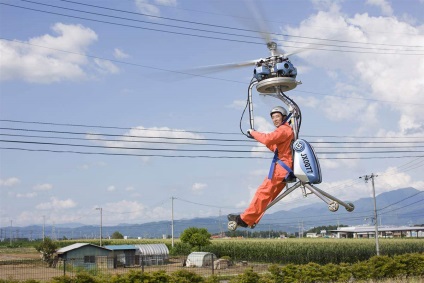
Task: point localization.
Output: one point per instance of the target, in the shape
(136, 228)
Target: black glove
(249, 135)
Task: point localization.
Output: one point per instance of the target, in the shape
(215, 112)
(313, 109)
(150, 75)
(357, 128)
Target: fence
(38, 270)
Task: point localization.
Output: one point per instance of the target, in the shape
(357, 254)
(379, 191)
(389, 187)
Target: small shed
(152, 254)
(200, 259)
(124, 255)
(85, 255)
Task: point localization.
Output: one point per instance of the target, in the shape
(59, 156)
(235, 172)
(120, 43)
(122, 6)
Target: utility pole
(44, 226)
(366, 178)
(11, 233)
(101, 224)
(172, 221)
(220, 224)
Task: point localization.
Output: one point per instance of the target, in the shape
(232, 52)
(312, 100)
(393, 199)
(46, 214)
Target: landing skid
(332, 202)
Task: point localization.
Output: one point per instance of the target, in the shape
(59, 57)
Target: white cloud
(106, 67)
(32, 63)
(111, 189)
(237, 104)
(152, 138)
(198, 187)
(56, 204)
(9, 182)
(43, 187)
(166, 2)
(385, 7)
(146, 7)
(332, 5)
(27, 195)
(149, 6)
(118, 53)
(375, 76)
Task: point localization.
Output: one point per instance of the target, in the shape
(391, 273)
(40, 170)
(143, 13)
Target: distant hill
(398, 207)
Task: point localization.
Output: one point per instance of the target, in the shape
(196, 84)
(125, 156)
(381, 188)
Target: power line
(270, 21)
(139, 148)
(197, 139)
(182, 131)
(212, 25)
(210, 37)
(131, 154)
(199, 75)
(401, 201)
(196, 150)
(191, 143)
(197, 156)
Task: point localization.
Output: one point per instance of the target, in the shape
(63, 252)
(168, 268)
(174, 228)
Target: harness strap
(277, 160)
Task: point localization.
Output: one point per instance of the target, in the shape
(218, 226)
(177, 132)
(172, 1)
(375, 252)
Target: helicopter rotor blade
(219, 68)
(258, 21)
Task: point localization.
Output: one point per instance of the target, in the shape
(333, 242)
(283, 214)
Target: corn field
(303, 251)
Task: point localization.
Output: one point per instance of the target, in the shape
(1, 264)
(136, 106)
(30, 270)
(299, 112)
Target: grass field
(257, 252)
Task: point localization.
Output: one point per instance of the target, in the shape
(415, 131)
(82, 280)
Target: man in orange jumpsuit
(279, 141)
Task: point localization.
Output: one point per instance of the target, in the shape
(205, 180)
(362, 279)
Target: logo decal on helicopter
(299, 146)
(306, 163)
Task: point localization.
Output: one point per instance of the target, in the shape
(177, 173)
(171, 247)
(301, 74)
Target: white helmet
(278, 109)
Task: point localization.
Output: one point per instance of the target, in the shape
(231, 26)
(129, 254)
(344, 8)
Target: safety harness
(290, 175)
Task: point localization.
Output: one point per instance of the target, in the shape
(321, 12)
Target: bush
(62, 279)
(185, 276)
(133, 276)
(159, 277)
(247, 277)
(84, 278)
(383, 267)
(410, 264)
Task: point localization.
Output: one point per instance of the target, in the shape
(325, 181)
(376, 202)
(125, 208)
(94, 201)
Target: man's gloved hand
(249, 135)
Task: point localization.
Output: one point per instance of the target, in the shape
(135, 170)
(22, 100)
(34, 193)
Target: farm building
(200, 259)
(383, 232)
(85, 255)
(152, 254)
(124, 255)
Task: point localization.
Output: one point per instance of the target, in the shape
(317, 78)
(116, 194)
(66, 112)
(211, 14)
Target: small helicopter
(273, 76)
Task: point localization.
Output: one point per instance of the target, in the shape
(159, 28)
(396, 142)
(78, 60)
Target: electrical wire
(204, 36)
(183, 131)
(212, 25)
(199, 75)
(200, 139)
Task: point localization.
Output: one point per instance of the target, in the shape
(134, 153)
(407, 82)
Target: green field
(291, 250)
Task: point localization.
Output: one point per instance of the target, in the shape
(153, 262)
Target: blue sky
(98, 82)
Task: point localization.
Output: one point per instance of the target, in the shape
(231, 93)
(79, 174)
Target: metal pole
(172, 221)
(44, 226)
(375, 216)
(366, 178)
(10, 240)
(101, 224)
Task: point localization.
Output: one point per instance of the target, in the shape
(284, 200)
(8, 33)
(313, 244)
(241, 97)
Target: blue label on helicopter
(299, 145)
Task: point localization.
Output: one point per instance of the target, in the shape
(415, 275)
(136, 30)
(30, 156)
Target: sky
(102, 104)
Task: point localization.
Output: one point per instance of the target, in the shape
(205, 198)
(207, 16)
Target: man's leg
(266, 192)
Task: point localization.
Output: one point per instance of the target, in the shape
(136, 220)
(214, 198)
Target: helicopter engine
(274, 67)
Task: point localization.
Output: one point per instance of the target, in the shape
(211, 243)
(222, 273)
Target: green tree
(47, 248)
(117, 235)
(196, 237)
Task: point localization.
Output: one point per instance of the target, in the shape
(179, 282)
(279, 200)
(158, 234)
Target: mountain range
(402, 207)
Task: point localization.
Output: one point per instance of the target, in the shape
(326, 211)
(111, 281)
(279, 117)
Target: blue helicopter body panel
(305, 163)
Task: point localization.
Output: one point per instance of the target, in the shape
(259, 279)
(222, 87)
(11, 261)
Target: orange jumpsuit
(280, 139)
